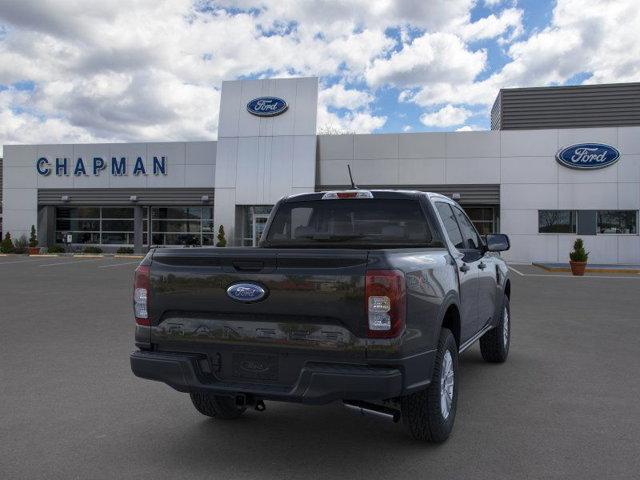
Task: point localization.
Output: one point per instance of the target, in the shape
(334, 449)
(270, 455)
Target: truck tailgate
(314, 305)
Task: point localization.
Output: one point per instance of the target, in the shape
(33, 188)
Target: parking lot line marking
(517, 271)
(20, 261)
(118, 264)
(69, 263)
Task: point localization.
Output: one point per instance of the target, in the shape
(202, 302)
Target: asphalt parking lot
(565, 405)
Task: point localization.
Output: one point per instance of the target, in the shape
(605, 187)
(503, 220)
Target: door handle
(464, 268)
(482, 266)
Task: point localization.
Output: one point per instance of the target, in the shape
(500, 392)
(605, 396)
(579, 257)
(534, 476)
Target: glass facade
(557, 221)
(588, 222)
(95, 225)
(188, 226)
(618, 221)
(483, 218)
(253, 219)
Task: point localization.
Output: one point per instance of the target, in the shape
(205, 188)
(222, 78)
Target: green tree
(33, 238)
(222, 241)
(7, 244)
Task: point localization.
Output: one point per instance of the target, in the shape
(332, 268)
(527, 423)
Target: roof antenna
(353, 184)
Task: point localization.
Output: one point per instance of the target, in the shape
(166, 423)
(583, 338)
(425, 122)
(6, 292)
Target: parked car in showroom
(365, 297)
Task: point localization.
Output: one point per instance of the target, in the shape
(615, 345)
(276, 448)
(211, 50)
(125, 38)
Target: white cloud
(447, 116)
(509, 20)
(407, 128)
(358, 118)
(433, 57)
(492, 3)
(351, 122)
(338, 96)
(469, 128)
(151, 69)
(583, 37)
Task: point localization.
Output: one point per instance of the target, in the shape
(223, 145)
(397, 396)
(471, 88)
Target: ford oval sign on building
(267, 106)
(246, 292)
(588, 156)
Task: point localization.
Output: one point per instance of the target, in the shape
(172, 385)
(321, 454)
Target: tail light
(385, 295)
(141, 295)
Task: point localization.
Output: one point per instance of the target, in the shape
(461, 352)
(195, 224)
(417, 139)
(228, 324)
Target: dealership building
(559, 162)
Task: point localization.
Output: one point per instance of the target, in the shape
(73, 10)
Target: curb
(588, 269)
(128, 256)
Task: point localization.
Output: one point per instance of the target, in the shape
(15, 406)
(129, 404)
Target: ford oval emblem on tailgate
(246, 292)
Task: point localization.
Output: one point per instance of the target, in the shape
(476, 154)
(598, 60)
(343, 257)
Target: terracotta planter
(578, 268)
(34, 250)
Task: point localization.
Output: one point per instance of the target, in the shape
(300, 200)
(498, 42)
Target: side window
(450, 224)
(471, 238)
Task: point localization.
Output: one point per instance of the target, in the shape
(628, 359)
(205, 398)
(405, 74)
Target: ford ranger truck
(364, 297)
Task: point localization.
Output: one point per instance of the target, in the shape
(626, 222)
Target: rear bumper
(318, 383)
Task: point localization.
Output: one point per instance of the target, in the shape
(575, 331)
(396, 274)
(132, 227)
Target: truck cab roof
(376, 193)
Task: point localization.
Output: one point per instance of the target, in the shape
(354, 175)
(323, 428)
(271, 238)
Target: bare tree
(333, 129)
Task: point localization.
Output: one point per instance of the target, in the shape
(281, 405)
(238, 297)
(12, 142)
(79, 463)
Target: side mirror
(497, 242)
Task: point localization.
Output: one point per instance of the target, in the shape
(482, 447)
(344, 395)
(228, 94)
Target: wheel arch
(507, 289)
(451, 321)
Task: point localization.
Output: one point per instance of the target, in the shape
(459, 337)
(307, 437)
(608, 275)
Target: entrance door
(259, 221)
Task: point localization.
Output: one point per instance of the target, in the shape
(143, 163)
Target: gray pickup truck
(365, 297)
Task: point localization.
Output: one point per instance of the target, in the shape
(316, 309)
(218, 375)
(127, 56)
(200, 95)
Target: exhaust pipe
(371, 409)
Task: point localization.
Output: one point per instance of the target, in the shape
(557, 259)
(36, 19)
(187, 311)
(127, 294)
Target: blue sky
(77, 71)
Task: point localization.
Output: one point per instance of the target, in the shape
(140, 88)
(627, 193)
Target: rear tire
(429, 415)
(216, 406)
(494, 345)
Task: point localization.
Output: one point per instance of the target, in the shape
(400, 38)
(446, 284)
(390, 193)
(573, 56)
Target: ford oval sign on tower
(267, 106)
(588, 156)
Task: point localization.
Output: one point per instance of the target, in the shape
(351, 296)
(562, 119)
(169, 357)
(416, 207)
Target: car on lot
(360, 296)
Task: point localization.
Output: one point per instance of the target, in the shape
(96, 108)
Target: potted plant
(33, 242)
(578, 258)
(222, 241)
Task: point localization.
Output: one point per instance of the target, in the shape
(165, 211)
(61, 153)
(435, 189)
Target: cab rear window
(365, 222)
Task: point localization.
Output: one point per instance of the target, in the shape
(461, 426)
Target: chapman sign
(267, 106)
(95, 166)
(588, 156)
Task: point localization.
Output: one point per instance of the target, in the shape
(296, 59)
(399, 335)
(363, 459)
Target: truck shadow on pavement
(303, 441)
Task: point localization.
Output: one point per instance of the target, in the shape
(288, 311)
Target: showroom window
(556, 221)
(618, 221)
(95, 225)
(483, 218)
(189, 226)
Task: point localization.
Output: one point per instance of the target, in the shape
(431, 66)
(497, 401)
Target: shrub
(92, 250)
(33, 238)
(579, 254)
(125, 251)
(7, 244)
(55, 249)
(222, 241)
(21, 244)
